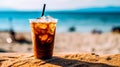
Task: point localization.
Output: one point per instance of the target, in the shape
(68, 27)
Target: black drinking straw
(43, 11)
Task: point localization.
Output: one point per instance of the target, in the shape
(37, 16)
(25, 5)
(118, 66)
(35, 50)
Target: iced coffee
(43, 34)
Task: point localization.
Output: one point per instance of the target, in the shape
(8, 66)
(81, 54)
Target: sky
(36, 5)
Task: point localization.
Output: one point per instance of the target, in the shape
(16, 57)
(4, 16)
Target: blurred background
(86, 25)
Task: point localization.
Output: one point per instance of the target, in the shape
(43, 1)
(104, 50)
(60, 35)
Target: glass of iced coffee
(43, 34)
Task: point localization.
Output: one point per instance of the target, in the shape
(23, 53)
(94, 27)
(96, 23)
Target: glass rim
(37, 20)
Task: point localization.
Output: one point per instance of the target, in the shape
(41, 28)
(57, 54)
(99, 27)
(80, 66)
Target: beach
(71, 42)
(60, 60)
(87, 33)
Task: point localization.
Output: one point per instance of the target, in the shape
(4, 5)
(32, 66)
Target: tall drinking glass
(43, 34)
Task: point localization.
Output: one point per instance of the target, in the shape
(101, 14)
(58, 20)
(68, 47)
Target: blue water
(83, 22)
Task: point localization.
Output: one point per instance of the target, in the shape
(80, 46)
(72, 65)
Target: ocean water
(83, 22)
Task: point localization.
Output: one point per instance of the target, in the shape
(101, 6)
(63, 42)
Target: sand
(70, 50)
(105, 43)
(59, 60)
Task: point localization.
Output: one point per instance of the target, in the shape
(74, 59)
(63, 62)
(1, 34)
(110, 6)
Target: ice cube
(43, 37)
(51, 29)
(43, 31)
(50, 19)
(41, 26)
(42, 19)
(50, 39)
(52, 25)
(40, 30)
(34, 30)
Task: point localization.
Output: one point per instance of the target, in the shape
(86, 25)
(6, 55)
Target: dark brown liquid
(43, 39)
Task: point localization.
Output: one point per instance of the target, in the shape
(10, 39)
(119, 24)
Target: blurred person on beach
(13, 36)
(11, 32)
(95, 31)
(72, 29)
(115, 29)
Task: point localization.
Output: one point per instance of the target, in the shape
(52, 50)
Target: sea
(80, 21)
